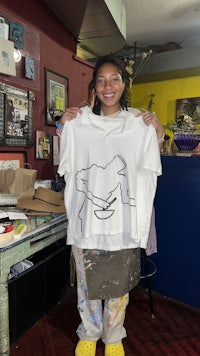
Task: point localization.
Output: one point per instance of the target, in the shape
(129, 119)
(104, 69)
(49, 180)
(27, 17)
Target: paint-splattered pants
(100, 319)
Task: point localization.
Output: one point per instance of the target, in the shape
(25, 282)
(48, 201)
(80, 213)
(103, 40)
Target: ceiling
(158, 25)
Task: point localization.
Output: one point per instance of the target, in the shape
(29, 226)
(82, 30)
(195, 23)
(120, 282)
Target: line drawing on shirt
(115, 189)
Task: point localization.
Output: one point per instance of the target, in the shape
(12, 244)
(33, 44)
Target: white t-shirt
(110, 165)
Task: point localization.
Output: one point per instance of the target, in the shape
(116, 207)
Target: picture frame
(56, 95)
(16, 112)
(43, 145)
(7, 63)
(190, 107)
(13, 160)
(29, 68)
(55, 150)
(16, 34)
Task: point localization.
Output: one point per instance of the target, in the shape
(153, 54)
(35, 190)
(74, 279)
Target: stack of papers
(8, 199)
(12, 215)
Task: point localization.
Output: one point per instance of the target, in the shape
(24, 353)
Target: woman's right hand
(69, 114)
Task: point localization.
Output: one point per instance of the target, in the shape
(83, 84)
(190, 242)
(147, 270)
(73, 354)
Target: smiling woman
(109, 87)
(109, 199)
(109, 84)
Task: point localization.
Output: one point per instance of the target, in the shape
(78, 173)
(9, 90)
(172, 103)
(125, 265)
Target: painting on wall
(29, 68)
(13, 160)
(7, 63)
(16, 116)
(56, 96)
(56, 153)
(16, 110)
(16, 34)
(190, 107)
(42, 145)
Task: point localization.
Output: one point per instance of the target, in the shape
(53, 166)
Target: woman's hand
(69, 114)
(151, 118)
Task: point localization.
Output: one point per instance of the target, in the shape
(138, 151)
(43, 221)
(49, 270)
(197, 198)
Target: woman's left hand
(151, 118)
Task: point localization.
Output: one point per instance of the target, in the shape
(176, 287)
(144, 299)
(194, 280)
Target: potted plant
(186, 132)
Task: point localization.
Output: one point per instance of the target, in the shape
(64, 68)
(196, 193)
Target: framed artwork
(56, 154)
(13, 160)
(29, 68)
(190, 107)
(16, 34)
(42, 145)
(4, 28)
(16, 110)
(7, 63)
(56, 96)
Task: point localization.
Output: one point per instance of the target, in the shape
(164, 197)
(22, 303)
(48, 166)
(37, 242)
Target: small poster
(42, 145)
(7, 63)
(4, 28)
(29, 68)
(56, 154)
(16, 34)
(16, 116)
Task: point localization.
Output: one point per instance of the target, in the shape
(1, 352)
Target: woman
(110, 163)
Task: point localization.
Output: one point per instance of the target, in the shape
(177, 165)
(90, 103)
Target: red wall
(57, 48)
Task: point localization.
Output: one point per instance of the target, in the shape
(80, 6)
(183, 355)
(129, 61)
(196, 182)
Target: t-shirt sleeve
(151, 153)
(65, 164)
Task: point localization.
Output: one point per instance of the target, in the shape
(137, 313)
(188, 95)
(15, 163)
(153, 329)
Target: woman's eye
(115, 80)
(100, 81)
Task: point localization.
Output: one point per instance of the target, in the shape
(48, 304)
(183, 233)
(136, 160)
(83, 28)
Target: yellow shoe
(114, 350)
(85, 348)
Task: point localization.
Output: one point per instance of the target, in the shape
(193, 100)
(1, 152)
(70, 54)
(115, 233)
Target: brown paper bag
(19, 181)
(6, 179)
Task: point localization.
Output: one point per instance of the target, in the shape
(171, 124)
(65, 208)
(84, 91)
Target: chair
(148, 269)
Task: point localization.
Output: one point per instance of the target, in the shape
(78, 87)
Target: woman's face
(109, 88)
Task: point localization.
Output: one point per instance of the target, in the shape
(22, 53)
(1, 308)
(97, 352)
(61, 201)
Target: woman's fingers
(70, 114)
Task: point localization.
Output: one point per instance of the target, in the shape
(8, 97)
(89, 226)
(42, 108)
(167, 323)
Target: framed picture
(56, 96)
(7, 63)
(190, 107)
(29, 65)
(42, 145)
(13, 160)
(16, 110)
(17, 35)
(56, 154)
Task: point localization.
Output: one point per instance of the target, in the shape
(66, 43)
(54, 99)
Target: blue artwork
(16, 34)
(29, 68)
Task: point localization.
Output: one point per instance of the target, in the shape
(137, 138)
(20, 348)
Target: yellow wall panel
(166, 93)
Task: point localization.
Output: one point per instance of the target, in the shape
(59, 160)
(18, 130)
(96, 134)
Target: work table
(14, 251)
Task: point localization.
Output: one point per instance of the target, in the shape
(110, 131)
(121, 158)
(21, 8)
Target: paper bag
(19, 181)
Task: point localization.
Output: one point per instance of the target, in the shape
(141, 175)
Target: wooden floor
(175, 330)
